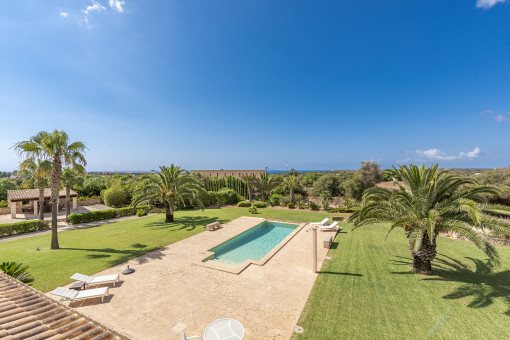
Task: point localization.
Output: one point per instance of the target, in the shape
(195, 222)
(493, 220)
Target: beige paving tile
(167, 289)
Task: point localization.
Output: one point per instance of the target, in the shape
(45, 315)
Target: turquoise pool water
(253, 244)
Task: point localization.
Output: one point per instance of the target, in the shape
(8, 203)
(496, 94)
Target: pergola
(16, 198)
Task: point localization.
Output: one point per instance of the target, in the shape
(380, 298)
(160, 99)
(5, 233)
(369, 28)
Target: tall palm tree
(250, 182)
(265, 184)
(291, 183)
(56, 148)
(169, 186)
(37, 173)
(68, 178)
(430, 201)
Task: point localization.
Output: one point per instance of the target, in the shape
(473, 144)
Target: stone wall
(91, 201)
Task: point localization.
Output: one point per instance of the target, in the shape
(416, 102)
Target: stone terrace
(168, 290)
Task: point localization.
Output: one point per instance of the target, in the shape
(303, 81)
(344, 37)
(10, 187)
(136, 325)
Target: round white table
(224, 329)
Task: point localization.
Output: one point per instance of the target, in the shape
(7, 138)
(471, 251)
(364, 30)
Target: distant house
(223, 173)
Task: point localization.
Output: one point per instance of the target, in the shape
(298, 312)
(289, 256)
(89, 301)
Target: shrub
(209, 198)
(274, 199)
(227, 196)
(325, 201)
(260, 204)
(142, 211)
(92, 216)
(300, 204)
(343, 210)
(314, 206)
(115, 196)
(125, 211)
(18, 271)
(244, 204)
(252, 210)
(284, 200)
(290, 205)
(3, 204)
(22, 227)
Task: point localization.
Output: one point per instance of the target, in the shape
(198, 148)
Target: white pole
(314, 246)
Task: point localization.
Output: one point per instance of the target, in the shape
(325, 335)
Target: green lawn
(92, 250)
(366, 291)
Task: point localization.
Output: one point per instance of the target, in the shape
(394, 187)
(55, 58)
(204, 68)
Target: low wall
(5, 211)
(91, 201)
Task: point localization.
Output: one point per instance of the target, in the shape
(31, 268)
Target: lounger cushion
(79, 294)
(94, 279)
(65, 292)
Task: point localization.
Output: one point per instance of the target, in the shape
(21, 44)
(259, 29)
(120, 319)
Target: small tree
(430, 201)
(116, 196)
(37, 173)
(69, 178)
(250, 182)
(170, 186)
(265, 184)
(291, 183)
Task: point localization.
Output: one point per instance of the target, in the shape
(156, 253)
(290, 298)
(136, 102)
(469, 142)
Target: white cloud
(95, 7)
(117, 5)
(486, 4)
(497, 117)
(438, 155)
(63, 14)
(470, 154)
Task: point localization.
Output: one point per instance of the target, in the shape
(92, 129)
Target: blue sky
(248, 84)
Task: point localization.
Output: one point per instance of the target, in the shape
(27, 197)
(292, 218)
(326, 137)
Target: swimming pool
(253, 244)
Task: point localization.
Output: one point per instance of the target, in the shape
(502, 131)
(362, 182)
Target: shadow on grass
(480, 286)
(187, 223)
(141, 252)
(339, 273)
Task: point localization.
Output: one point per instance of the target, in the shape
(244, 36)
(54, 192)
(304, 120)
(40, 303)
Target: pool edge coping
(237, 270)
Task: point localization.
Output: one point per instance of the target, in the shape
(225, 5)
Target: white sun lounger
(320, 223)
(96, 279)
(69, 294)
(332, 226)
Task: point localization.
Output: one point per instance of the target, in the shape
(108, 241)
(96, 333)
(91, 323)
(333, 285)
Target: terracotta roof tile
(32, 194)
(26, 313)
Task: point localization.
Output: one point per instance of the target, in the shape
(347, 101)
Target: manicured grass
(367, 291)
(92, 250)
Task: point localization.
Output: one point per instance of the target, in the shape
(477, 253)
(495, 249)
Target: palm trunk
(250, 194)
(55, 185)
(41, 204)
(422, 258)
(169, 213)
(68, 201)
(292, 195)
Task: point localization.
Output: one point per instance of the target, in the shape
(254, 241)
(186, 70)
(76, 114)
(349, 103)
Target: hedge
(105, 214)
(245, 204)
(23, 227)
(260, 204)
(92, 216)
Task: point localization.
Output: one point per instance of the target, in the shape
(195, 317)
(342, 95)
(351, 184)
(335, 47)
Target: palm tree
(265, 184)
(37, 173)
(169, 186)
(291, 183)
(430, 201)
(68, 178)
(17, 271)
(250, 182)
(56, 148)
